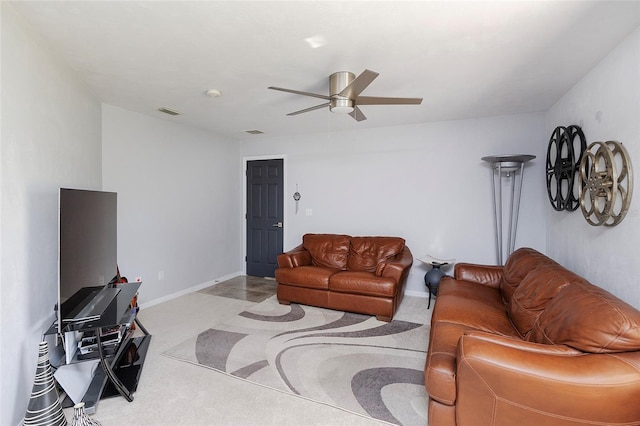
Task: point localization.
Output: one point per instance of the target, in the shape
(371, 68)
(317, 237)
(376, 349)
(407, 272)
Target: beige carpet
(347, 360)
(172, 392)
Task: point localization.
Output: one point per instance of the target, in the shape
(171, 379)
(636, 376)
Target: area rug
(351, 361)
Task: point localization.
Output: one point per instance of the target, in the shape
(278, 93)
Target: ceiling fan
(344, 95)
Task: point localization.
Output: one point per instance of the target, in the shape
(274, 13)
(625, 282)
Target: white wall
(50, 138)
(178, 202)
(425, 183)
(180, 189)
(606, 104)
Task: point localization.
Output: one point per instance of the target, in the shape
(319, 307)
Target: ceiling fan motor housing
(337, 82)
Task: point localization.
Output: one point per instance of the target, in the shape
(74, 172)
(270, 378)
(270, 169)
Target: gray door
(265, 217)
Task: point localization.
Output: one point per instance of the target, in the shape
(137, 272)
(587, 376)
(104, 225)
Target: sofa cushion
(365, 283)
(590, 319)
(330, 250)
(535, 292)
(306, 276)
(519, 264)
(367, 252)
(473, 306)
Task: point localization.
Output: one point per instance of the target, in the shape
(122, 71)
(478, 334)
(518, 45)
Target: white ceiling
(466, 59)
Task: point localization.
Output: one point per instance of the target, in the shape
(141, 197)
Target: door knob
(277, 225)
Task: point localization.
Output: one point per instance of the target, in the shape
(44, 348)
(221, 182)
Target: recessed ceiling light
(214, 93)
(316, 41)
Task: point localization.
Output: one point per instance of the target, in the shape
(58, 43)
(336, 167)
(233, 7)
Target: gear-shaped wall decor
(606, 176)
(566, 147)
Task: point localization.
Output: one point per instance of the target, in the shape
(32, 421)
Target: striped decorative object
(44, 407)
(80, 417)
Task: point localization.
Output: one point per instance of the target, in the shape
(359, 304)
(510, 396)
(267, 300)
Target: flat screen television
(87, 254)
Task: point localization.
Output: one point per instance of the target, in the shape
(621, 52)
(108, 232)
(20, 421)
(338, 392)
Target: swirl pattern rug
(347, 360)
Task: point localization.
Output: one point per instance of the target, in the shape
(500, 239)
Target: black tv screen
(87, 245)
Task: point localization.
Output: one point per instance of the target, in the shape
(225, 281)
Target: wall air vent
(254, 132)
(168, 111)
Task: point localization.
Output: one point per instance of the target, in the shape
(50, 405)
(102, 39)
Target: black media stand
(120, 365)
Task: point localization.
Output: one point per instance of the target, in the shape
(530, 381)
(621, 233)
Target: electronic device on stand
(98, 351)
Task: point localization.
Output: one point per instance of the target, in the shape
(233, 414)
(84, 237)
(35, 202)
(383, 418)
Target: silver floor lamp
(507, 167)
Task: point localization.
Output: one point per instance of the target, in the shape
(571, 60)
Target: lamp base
(432, 281)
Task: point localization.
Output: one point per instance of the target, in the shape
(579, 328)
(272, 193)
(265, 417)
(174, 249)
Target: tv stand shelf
(119, 372)
(127, 374)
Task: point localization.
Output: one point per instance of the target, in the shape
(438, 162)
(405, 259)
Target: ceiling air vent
(168, 111)
(254, 132)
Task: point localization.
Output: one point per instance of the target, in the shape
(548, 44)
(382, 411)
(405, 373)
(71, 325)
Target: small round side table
(434, 275)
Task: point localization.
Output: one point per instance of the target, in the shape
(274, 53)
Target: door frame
(246, 160)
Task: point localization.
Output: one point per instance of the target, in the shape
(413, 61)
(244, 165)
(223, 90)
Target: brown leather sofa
(357, 274)
(531, 343)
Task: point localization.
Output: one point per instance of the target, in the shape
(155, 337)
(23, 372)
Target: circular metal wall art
(605, 173)
(566, 147)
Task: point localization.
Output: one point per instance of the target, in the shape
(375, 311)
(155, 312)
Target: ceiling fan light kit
(343, 106)
(344, 95)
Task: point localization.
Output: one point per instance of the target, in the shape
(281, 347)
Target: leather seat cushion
(306, 276)
(367, 252)
(364, 283)
(330, 250)
(590, 319)
(472, 305)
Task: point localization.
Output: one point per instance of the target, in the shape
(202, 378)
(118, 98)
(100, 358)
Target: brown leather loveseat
(357, 274)
(531, 343)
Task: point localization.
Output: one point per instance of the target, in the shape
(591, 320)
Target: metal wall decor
(566, 148)
(605, 172)
(296, 197)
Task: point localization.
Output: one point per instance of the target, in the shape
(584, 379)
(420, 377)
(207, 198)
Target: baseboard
(204, 285)
(188, 290)
(416, 293)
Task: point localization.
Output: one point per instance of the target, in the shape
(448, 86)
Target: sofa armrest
(481, 274)
(294, 257)
(502, 380)
(396, 267)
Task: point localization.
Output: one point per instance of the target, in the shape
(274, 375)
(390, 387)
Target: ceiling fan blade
(298, 92)
(359, 84)
(376, 100)
(357, 114)
(309, 109)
